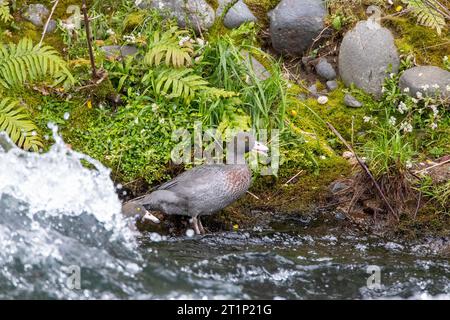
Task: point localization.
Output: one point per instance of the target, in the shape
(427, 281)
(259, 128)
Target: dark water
(62, 237)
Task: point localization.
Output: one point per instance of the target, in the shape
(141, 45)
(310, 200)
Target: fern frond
(23, 62)
(179, 83)
(220, 93)
(426, 14)
(16, 123)
(5, 13)
(168, 48)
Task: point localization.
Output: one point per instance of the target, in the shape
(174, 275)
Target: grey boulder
(36, 13)
(325, 70)
(195, 14)
(428, 80)
(294, 24)
(367, 53)
(236, 15)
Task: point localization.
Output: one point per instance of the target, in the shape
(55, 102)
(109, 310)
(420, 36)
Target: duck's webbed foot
(197, 226)
(200, 225)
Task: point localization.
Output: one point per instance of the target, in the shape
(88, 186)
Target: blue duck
(208, 188)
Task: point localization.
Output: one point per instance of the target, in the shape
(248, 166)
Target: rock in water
(36, 14)
(428, 80)
(351, 101)
(367, 53)
(195, 14)
(325, 69)
(295, 23)
(236, 15)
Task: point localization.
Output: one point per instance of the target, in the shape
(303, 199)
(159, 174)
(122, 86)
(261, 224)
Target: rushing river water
(62, 236)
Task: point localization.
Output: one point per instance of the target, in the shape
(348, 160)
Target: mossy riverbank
(133, 137)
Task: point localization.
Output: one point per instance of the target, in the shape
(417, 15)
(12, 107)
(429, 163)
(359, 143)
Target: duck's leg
(194, 222)
(200, 225)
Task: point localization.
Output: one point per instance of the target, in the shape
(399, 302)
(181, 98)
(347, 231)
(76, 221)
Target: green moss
(213, 3)
(309, 117)
(424, 43)
(261, 7)
(133, 20)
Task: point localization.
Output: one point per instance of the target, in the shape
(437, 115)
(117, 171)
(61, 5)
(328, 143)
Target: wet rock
(295, 23)
(332, 85)
(118, 52)
(339, 215)
(367, 53)
(195, 14)
(236, 15)
(351, 101)
(428, 80)
(36, 13)
(260, 71)
(325, 70)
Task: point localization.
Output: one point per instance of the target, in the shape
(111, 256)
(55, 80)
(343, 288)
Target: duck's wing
(193, 178)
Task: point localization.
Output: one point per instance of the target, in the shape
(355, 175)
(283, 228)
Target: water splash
(58, 210)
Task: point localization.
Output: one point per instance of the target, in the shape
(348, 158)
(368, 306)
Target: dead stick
(366, 169)
(89, 40)
(46, 23)
(298, 173)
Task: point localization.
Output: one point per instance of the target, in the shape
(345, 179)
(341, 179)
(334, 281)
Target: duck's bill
(149, 216)
(260, 148)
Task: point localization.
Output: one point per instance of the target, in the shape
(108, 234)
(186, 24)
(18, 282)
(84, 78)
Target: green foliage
(439, 193)
(21, 63)
(15, 121)
(173, 47)
(5, 14)
(427, 13)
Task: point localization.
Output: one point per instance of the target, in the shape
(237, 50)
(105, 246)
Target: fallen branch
(366, 169)
(48, 21)
(89, 40)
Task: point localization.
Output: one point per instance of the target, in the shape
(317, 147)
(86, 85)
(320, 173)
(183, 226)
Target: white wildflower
(406, 127)
(419, 95)
(392, 121)
(110, 32)
(435, 109)
(414, 100)
(402, 108)
(435, 86)
(154, 107)
(434, 125)
(162, 121)
(425, 87)
(367, 119)
(447, 87)
(129, 38)
(406, 90)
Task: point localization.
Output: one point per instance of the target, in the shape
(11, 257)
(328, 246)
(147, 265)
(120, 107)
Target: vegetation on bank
(181, 79)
